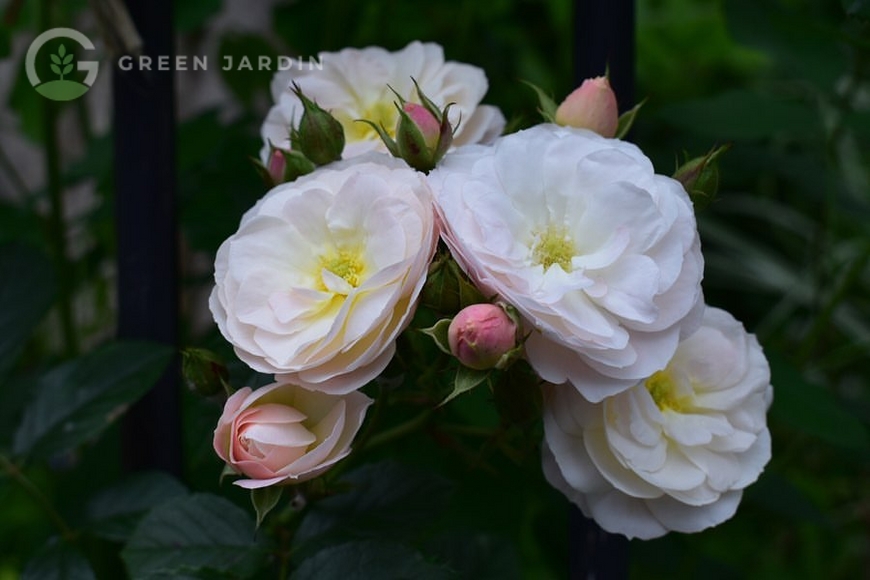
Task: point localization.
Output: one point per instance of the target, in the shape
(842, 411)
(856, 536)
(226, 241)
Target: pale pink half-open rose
(282, 433)
(674, 452)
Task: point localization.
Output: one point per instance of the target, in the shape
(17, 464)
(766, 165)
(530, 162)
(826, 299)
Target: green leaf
(192, 15)
(777, 494)
(478, 556)
(24, 298)
(438, 332)
(55, 69)
(185, 573)
(58, 560)
(369, 559)
(546, 105)
(55, 59)
(744, 115)
(76, 401)
(860, 8)
(264, 499)
(62, 50)
(191, 533)
(385, 500)
(466, 379)
(115, 512)
(67, 59)
(811, 409)
(67, 69)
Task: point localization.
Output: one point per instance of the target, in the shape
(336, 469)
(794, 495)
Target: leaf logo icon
(61, 59)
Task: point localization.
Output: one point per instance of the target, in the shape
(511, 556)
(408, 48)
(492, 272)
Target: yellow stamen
(664, 392)
(554, 247)
(346, 264)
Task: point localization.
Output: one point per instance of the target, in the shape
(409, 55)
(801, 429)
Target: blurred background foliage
(786, 242)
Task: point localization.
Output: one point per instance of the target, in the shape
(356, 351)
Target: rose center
(382, 113)
(554, 247)
(346, 264)
(664, 392)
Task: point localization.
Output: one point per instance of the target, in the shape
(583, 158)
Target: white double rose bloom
(324, 273)
(599, 254)
(675, 451)
(356, 84)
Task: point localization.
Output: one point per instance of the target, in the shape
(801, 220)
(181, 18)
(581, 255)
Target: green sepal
(263, 172)
(445, 138)
(438, 332)
(700, 176)
(626, 120)
(227, 471)
(429, 104)
(265, 499)
(546, 105)
(382, 133)
(204, 372)
(296, 166)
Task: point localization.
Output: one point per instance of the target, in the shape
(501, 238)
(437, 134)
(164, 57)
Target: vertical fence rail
(145, 218)
(603, 41)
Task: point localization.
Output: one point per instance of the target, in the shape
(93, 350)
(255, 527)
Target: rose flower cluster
(589, 263)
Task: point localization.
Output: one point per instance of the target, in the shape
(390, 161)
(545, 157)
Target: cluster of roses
(654, 403)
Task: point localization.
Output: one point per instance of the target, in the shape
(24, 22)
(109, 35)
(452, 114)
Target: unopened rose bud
(700, 176)
(319, 136)
(283, 166)
(481, 334)
(423, 132)
(591, 106)
(276, 166)
(203, 371)
(422, 120)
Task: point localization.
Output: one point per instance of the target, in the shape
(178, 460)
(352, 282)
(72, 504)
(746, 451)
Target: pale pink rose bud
(425, 121)
(277, 165)
(591, 106)
(481, 334)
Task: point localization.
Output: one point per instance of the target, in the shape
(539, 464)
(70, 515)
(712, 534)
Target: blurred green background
(786, 243)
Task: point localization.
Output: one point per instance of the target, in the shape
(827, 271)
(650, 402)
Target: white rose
(352, 84)
(282, 433)
(324, 272)
(599, 254)
(676, 451)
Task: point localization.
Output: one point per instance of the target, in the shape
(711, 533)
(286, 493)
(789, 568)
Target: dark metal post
(145, 206)
(603, 40)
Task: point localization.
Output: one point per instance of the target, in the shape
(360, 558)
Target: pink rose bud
(481, 334)
(591, 106)
(429, 127)
(277, 165)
